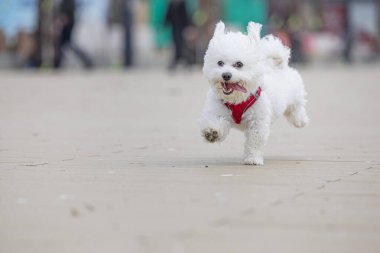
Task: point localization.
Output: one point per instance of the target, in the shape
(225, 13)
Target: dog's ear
(254, 30)
(219, 29)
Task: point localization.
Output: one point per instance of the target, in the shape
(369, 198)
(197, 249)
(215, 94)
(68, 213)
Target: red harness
(239, 109)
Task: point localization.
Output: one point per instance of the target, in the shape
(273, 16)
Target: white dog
(251, 85)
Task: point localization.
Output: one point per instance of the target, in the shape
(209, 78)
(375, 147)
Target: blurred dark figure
(42, 35)
(65, 24)
(294, 27)
(177, 17)
(36, 57)
(347, 35)
(296, 43)
(120, 12)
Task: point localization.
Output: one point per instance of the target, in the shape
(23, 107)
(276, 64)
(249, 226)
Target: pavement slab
(112, 161)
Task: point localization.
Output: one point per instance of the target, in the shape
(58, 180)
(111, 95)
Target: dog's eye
(220, 63)
(238, 65)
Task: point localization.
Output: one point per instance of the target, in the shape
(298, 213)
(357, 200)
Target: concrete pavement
(114, 162)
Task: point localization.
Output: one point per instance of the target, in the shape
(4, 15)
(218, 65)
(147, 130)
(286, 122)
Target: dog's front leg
(214, 128)
(256, 135)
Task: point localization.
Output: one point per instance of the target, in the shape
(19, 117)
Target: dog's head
(231, 62)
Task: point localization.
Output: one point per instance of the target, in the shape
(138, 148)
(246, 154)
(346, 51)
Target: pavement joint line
(68, 159)
(35, 164)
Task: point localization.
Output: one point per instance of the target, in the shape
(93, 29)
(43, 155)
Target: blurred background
(55, 34)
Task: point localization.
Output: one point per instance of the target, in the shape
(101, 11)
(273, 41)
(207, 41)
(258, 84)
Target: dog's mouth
(228, 88)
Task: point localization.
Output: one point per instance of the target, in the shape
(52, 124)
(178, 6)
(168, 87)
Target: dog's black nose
(226, 76)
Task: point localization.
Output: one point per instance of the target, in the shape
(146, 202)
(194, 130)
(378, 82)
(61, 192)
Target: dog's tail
(277, 53)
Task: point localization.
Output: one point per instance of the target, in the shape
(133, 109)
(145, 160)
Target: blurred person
(347, 35)
(209, 12)
(177, 17)
(294, 28)
(120, 13)
(65, 24)
(42, 35)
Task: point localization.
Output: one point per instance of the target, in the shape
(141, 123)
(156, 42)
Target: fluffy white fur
(265, 64)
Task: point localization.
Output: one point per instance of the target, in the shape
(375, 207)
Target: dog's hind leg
(296, 114)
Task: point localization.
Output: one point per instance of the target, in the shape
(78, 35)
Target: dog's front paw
(211, 135)
(254, 160)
